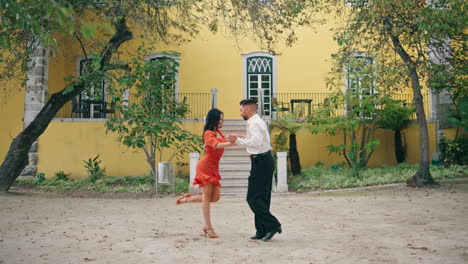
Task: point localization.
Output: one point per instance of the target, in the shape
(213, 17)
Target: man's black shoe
(257, 237)
(270, 234)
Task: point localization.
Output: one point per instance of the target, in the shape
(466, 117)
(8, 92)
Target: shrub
(62, 176)
(94, 169)
(454, 151)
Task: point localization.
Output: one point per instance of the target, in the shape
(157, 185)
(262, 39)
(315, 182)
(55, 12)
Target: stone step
(233, 181)
(227, 161)
(231, 168)
(235, 189)
(236, 151)
(237, 132)
(235, 158)
(235, 173)
(236, 121)
(234, 166)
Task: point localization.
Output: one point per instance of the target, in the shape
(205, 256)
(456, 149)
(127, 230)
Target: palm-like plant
(396, 117)
(289, 125)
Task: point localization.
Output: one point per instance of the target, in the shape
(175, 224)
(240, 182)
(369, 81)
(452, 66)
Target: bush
(324, 178)
(94, 169)
(62, 176)
(454, 151)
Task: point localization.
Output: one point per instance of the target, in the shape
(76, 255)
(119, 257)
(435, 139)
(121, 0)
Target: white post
(260, 102)
(194, 156)
(282, 172)
(214, 97)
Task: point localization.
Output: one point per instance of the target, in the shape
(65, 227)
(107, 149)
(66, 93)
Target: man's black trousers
(259, 192)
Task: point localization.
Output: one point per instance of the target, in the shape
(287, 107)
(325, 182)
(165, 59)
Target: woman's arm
(224, 144)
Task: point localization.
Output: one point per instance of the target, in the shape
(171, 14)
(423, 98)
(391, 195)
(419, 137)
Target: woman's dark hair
(212, 119)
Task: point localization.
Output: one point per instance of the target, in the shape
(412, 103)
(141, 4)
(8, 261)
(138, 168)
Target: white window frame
(373, 90)
(273, 80)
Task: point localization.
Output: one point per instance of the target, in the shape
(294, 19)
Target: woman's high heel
(184, 196)
(209, 232)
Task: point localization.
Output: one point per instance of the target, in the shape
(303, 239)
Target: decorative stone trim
(35, 99)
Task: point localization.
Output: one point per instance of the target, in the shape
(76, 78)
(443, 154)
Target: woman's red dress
(208, 165)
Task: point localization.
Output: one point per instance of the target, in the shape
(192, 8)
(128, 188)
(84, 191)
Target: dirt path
(389, 225)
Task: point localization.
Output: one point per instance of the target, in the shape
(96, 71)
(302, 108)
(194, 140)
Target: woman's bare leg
(216, 193)
(192, 199)
(207, 191)
(215, 196)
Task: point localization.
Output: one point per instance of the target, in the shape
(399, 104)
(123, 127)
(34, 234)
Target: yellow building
(214, 69)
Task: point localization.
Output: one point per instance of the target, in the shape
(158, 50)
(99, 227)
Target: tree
(51, 23)
(413, 30)
(152, 16)
(357, 125)
(152, 121)
(396, 117)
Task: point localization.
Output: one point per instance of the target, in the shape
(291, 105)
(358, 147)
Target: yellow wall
(64, 146)
(214, 61)
(313, 148)
(450, 133)
(11, 115)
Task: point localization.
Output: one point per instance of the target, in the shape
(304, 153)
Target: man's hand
(232, 138)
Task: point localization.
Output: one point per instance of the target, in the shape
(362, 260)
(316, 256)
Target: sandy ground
(385, 225)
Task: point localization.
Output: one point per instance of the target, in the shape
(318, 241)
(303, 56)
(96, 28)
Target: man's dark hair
(248, 102)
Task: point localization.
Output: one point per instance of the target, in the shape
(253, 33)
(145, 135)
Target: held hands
(231, 138)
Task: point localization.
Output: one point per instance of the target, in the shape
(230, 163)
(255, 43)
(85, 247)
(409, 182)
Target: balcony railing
(198, 103)
(285, 103)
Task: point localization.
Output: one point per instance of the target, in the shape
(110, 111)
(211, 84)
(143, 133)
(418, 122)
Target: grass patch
(325, 178)
(106, 184)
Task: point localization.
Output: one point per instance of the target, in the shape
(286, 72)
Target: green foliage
(417, 43)
(357, 126)
(152, 122)
(325, 178)
(127, 184)
(459, 114)
(286, 125)
(94, 170)
(280, 142)
(454, 151)
(62, 176)
(395, 115)
(27, 24)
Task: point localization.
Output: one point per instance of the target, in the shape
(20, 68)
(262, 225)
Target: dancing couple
(257, 142)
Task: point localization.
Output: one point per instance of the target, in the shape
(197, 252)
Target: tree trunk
(423, 175)
(17, 156)
(399, 150)
(294, 155)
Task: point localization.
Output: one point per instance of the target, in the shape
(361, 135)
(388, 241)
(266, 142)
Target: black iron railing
(285, 103)
(198, 103)
(88, 108)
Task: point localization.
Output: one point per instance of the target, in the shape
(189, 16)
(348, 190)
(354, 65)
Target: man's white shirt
(257, 140)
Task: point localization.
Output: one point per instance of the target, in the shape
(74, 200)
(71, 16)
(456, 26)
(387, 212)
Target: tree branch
(82, 46)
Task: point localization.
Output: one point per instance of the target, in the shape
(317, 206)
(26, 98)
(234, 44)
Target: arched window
(161, 56)
(259, 72)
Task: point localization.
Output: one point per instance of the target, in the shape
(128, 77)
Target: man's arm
(255, 140)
